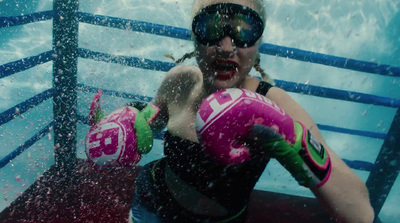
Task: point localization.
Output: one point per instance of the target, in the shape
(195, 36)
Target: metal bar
(359, 164)
(5, 160)
(338, 94)
(23, 107)
(136, 97)
(375, 135)
(65, 47)
(134, 25)
(25, 19)
(329, 60)
(126, 60)
(387, 167)
(25, 64)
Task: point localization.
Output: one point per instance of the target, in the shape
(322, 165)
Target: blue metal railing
(25, 19)
(184, 34)
(25, 64)
(334, 61)
(23, 107)
(126, 61)
(43, 132)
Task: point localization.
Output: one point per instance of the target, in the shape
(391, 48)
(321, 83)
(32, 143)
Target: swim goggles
(217, 21)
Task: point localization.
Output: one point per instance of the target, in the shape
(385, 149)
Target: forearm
(345, 195)
(160, 121)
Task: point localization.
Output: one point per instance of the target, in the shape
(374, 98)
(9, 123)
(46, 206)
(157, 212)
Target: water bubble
(393, 163)
(364, 113)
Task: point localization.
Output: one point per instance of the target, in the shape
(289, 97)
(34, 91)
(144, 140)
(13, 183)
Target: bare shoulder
(294, 109)
(281, 97)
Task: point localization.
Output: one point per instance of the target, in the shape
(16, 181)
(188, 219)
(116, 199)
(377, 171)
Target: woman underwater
(189, 186)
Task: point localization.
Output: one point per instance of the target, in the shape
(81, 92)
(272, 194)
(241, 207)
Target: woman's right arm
(160, 100)
(174, 88)
(161, 120)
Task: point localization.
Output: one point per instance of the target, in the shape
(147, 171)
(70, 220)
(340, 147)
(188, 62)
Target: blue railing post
(387, 167)
(65, 62)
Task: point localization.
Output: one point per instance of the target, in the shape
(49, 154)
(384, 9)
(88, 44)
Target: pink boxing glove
(225, 118)
(112, 143)
(118, 140)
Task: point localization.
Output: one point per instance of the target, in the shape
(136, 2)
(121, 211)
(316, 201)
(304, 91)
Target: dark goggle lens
(243, 25)
(245, 30)
(208, 27)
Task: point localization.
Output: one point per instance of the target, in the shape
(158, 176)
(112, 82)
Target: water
(364, 30)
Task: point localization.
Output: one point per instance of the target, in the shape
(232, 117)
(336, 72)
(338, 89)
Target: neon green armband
(306, 159)
(144, 134)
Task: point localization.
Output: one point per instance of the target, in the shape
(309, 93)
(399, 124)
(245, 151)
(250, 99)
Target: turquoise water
(364, 30)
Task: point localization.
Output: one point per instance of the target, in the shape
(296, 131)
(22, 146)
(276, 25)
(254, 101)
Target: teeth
(225, 66)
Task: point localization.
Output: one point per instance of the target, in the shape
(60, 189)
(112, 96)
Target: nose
(226, 45)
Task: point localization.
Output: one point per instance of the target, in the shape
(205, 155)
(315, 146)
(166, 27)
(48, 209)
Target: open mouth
(224, 69)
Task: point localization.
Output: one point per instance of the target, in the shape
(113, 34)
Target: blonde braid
(265, 77)
(186, 56)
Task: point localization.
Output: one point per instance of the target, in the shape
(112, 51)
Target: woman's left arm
(344, 194)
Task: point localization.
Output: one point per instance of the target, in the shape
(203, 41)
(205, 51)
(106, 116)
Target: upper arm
(293, 109)
(344, 194)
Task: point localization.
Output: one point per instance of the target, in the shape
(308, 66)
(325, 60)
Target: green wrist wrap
(306, 159)
(144, 133)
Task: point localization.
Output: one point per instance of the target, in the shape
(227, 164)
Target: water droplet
(393, 163)
(247, 102)
(364, 113)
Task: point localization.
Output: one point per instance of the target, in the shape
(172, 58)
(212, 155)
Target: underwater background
(363, 30)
